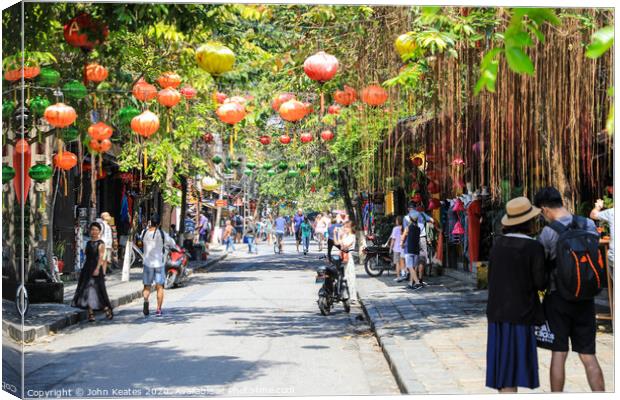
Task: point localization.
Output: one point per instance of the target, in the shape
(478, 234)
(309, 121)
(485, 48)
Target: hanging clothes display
(474, 213)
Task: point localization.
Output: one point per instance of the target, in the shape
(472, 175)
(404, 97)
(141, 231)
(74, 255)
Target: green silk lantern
(74, 90)
(315, 171)
(126, 114)
(40, 172)
(38, 105)
(248, 172)
(250, 165)
(69, 134)
(48, 77)
(8, 173)
(216, 159)
(7, 109)
(301, 165)
(267, 166)
(271, 172)
(282, 165)
(235, 163)
(292, 173)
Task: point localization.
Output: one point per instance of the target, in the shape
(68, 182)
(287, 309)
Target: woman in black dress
(91, 293)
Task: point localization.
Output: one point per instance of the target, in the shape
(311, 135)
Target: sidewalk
(435, 338)
(42, 319)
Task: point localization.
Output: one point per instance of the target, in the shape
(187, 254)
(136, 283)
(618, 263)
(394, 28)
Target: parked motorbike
(176, 267)
(377, 257)
(335, 288)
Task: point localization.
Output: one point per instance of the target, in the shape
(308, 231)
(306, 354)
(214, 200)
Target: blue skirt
(512, 359)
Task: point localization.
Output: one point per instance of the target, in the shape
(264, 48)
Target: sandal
(108, 313)
(91, 316)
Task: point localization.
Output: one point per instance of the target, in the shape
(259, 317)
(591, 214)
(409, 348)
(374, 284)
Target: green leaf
(539, 35)
(518, 61)
(602, 40)
(540, 15)
(490, 57)
(430, 10)
(518, 39)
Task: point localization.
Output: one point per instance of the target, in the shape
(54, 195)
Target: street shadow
(139, 367)
(224, 279)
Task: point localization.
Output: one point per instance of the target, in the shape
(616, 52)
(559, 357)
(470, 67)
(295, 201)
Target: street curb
(73, 317)
(393, 355)
(209, 264)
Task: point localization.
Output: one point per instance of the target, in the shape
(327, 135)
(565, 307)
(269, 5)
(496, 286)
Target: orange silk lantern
(285, 139)
(60, 115)
(106, 145)
(333, 109)
(374, 95)
(169, 97)
(95, 145)
(16, 74)
(236, 99)
(100, 131)
(144, 91)
(145, 124)
(292, 110)
(96, 72)
(188, 92)
(345, 97)
(231, 113)
(169, 79)
(281, 99)
(65, 160)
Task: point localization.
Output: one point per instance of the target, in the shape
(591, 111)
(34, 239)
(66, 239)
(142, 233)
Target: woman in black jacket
(516, 274)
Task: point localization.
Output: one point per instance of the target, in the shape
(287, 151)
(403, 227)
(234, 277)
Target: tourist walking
(297, 221)
(346, 241)
(154, 244)
(228, 236)
(568, 320)
(332, 235)
(606, 216)
(322, 223)
(516, 274)
(250, 235)
(306, 234)
(106, 237)
(396, 249)
(238, 228)
(91, 293)
(410, 242)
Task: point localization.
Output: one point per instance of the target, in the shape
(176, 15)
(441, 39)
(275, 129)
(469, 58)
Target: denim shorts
(154, 275)
(411, 260)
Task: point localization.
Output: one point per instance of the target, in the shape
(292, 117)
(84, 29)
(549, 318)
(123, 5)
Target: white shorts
(107, 254)
(423, 258)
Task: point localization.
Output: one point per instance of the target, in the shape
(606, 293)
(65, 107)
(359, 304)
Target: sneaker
(158, 312)
(401, 278)
(417, 286)
(397, 279)
(145, 308)
(424, 284)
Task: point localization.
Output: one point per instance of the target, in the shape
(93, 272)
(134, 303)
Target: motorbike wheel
(171, 277)
(323, 305)
(371, 265)
(347, 306)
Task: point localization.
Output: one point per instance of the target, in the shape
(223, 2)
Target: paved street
(249, 327)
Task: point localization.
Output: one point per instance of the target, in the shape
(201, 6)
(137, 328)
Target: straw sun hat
(518, 211)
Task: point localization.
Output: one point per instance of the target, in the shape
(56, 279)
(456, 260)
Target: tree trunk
(93, 189)
(343, 179)
(167, 208)
(183, 204)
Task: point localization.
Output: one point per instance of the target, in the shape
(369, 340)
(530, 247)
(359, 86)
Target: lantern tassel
(232, 149)
(145, 160)
(322, 104)
(64, 176)
(168, 120)
(100, 164)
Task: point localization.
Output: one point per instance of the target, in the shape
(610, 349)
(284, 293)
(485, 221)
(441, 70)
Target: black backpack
(579, 268)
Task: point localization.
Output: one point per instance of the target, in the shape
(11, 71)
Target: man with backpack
(154, 244)
(571, 247)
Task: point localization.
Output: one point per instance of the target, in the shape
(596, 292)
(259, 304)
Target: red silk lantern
(292, 110)
(21, 158)
(285, 139)
(327, 135)
(416, 198)
(345, 97)
(333, 109)
(96, 72)
(281, 99)
(220, 98)
(100, 146)
(230, 113)
(265, 140)
(144, 91)
(169, 79)
(95, 145)
(188, 92)
(321, 67)
(13, 75)
(305, 137)
(432, 187)
(22, 146)
(60, 115)
(169, 97)
(374, 95)
(16, 74)
(105, 145)
(309, 108)
(77, 31)
(208, 137)
(417, 161)
(145, 124)
(100, 131)
(65, 160)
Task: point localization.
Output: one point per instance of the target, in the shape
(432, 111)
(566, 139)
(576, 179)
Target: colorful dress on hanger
(474, 212)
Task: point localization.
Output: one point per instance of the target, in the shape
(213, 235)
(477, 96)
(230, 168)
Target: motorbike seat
(378, 249)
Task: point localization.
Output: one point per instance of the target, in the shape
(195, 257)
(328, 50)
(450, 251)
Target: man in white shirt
(154, 243)
(607, 216)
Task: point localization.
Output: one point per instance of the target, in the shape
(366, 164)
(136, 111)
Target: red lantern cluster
(100, 146)
(16, 74)
(345, 97)
(321, 67)
(78, 30)
(374, 95)
(100, 131)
